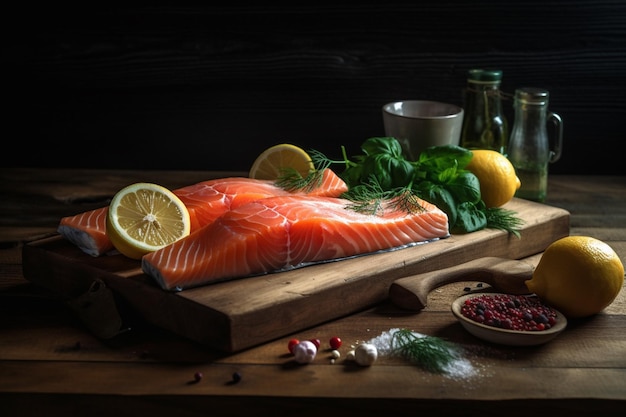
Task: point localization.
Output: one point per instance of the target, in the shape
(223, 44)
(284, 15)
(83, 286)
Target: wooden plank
(596, 342)
(242, 313)
(320, 380)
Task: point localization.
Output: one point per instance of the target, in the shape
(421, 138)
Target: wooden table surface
(50, 364)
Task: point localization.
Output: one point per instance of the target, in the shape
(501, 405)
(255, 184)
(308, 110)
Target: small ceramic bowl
(504, 336)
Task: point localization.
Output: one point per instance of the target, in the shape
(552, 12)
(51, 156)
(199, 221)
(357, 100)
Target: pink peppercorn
(335, 342)
(316, 342)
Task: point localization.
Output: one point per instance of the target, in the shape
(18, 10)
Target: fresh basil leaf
(382, 145)
(470, 219)
(352, 175)
(375, 166)
(445, 156)
(401, 172)
(465, 187)
(446, 175)
(439, 196)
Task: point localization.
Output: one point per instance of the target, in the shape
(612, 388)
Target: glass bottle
(529, 148)
(484, 124)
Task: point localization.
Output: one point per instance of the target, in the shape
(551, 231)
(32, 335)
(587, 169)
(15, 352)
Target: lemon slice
(145, 217)
(269, 165)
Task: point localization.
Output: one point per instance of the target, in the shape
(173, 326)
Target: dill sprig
(503, 219)
(291, 180)
(321, 161)
(371, 198)
(429, 352)
(366, 198)
(408, 202)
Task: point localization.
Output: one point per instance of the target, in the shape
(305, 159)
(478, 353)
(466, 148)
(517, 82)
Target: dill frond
(431, 353)
(503, 219)
(407, 202)
(372, 207)
(291, 180)
(321, 161)
(369, 198)
(366, 198)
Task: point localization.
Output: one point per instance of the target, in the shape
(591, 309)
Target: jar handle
(557, 126)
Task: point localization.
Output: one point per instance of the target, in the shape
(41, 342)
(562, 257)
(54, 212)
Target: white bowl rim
(455, 110)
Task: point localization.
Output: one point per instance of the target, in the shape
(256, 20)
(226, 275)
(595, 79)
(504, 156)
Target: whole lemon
(497, 176)
(578, 275)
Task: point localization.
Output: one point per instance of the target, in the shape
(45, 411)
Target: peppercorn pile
(511, 312)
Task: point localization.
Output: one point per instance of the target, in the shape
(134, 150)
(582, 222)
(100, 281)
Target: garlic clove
(365, 354)
(305, 351)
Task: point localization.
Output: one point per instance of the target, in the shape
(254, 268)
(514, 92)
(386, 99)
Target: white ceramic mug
(419, 124)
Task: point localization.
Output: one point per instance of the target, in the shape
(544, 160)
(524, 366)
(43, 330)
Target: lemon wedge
(269, 165)
(145, 217)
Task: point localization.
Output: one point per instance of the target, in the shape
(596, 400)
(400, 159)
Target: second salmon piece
(281, 233)
(205, 201)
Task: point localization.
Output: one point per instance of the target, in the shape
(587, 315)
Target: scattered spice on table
(236, 377)
(335, 342)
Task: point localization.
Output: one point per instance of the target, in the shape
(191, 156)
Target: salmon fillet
(87, 230)
(205, 201)
(285, 232)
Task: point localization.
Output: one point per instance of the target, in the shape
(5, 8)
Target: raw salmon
(281, 233)
(208, 200)
(87, 230)
(205, 201)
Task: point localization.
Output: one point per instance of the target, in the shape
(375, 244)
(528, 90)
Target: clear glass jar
(484, 124)
(529, 148)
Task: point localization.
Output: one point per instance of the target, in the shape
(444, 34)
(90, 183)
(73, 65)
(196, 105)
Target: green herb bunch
(438, 176)
(429, 352)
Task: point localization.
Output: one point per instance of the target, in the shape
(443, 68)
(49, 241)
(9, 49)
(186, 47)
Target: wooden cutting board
(235, 315)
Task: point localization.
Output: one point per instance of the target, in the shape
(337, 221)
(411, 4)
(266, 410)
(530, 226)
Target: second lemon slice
(270, 164)
(145, 217)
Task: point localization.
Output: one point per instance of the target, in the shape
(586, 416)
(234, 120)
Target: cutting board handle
(505, 275)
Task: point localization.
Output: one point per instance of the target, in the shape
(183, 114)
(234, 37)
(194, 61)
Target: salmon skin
(206, 201)
(281, 233)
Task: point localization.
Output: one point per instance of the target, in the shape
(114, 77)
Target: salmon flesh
(280, 233)
(205, 201)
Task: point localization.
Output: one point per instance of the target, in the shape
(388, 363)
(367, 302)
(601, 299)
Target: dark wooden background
(209, 88)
